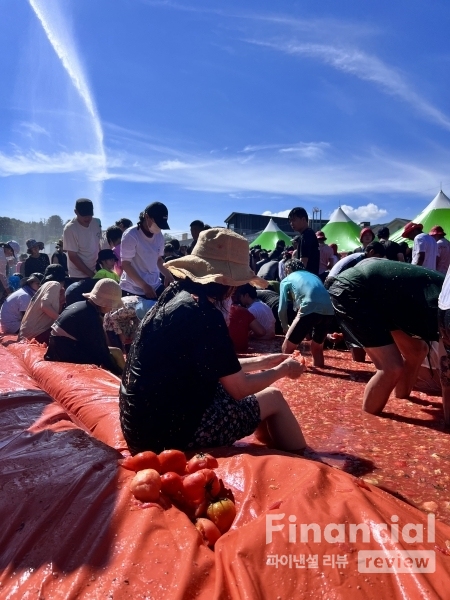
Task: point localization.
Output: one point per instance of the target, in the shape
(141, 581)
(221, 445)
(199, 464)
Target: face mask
(154, 228)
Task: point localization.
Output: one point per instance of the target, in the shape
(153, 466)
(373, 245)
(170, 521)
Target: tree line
(46, 230)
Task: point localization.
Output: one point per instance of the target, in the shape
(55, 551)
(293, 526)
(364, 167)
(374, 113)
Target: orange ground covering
(71, 528)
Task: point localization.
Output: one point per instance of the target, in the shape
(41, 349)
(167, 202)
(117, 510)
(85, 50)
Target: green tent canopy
(268, 238)
(341, 230)
(436, 213)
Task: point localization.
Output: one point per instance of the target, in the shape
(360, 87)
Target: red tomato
(201, 461)
(141, 461)
(199, 484)
(172, 460)
(171, 484)
(222, 513)
(208, 531)
(146, 485)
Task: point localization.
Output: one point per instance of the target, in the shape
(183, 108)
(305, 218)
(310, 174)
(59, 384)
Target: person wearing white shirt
(81, 240)
(425, 249)
(142, 254)
(247, 297)
(443, 258)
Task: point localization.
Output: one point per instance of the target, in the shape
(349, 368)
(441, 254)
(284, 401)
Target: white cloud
(281, 213)
(370, 212)
(38, 162)
(304, 149)
(365, 67)
(171, 165)
(33, 128)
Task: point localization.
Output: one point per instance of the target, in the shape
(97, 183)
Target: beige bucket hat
(219, 256)
(106, 292)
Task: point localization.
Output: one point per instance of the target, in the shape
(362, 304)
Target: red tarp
(71, 528)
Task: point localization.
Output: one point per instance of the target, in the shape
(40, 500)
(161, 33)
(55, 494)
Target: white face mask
(154, 228)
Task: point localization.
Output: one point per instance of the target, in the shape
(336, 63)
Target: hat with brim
(320, 235)
(437, 230)
(219, 256)
(410, 227)
(106, 293)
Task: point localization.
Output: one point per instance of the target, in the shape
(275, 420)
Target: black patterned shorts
(226, 420)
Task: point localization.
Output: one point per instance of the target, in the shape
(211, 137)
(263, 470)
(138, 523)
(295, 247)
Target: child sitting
(105, 265)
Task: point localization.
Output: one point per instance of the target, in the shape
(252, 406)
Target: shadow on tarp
(436, 424)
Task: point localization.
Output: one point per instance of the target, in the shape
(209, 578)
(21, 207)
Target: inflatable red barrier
(72, 529)
(87, 393)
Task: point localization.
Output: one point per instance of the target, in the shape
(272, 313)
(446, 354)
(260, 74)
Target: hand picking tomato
(201, 461)
(208, 531)
(146, 485)
(171, 484)
(197, 485)
(222, 513)
(172, 460)
(141, 461)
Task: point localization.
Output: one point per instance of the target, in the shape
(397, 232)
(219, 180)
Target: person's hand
(149, 292)
(292, 368)
(273, 360)
(168, 279)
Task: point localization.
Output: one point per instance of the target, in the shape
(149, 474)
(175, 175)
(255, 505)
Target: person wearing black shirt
(392, 249)
(308, 246)
(183, 385)
(37, 262)
(59, 257)
(77, 334)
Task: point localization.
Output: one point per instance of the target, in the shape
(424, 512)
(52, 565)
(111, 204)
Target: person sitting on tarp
(241, 324)
(15, 305)
(183, 385)
(247, 296)
(78, 335)
(45, 306)
(314, 311)
(104, 267)
(391, 310)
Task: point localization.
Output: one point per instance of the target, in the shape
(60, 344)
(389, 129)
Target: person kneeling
(78, 336)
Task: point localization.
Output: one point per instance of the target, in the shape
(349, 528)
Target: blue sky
(213, 107)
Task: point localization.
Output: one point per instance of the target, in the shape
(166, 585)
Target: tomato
(146, 485)
(172, 460)
(222, 513)
(208, 531)
(141, 461)
(199, 484)
(201, 461)
(171, 484)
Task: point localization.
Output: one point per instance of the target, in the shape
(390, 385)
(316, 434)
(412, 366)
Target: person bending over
(183, 385)
(78, 335)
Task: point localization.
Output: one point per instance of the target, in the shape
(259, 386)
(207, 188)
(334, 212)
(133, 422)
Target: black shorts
(362, 323)
(226, 420)
(444, 329)
(314, 323)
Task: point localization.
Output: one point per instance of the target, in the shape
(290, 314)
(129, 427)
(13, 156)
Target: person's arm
(261, 363)
(283, 304)
(168, 277)
(76, 260)
(137, 279)
(241, 384)
(420, 259)
(257, 329)
(304, 260)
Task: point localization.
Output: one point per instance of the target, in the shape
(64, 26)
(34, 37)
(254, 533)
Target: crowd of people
(171, 319)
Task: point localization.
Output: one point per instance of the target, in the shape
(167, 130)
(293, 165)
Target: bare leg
(389, 364)
(288, 347)
(413, 351)
(282, 426)
(445, 382)
(317, 354)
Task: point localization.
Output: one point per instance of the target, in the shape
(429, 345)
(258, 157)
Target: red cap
(410, 227)
(437, 230)
(366, 230)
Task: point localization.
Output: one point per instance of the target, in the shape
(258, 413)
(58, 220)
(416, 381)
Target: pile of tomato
(191, 485)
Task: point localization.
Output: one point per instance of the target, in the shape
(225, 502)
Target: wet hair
(293, 264)
(126, 223)
(114, 234)
(141, 219)
(54, 273)
(247, 288)
(298, 211)
(377, 247)
(197, 224)
(383, 233)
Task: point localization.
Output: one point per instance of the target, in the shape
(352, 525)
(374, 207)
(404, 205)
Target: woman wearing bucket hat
(183, 385)
(37, 262)
(78, 336)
